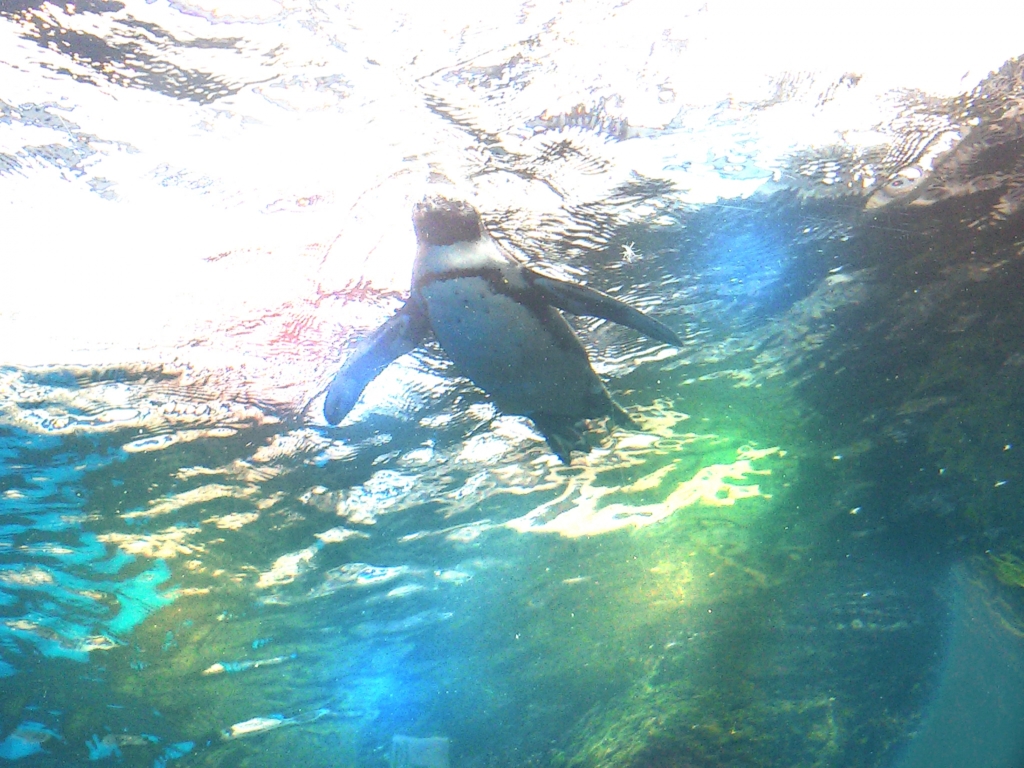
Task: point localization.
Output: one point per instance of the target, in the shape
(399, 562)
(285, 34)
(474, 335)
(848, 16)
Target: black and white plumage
(499, 323)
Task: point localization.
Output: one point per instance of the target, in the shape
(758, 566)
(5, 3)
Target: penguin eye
(907, 179)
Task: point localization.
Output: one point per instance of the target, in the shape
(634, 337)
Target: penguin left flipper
(579, 300)
(402, 333)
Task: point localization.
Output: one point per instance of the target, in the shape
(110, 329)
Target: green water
(648, 599)
(758, 576)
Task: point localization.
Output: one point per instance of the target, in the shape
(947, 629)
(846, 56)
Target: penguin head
(441, 221)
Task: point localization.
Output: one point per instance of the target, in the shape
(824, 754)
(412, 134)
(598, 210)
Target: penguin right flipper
(580, 300)
(402, 333)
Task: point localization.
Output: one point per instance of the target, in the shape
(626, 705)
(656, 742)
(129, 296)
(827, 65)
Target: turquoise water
(756, 577)
(810, 552)
(184, 590)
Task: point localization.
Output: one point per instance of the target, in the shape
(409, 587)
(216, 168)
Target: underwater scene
(583, 384)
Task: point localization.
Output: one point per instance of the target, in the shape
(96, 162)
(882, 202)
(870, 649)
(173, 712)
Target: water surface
(809, 549)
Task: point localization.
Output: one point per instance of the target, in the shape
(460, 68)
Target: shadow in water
(975, 718)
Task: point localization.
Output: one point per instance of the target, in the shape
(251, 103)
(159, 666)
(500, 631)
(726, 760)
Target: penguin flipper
(402, 333)
(579, 300)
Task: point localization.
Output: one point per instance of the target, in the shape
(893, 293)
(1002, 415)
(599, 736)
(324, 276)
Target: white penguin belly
(528, 360)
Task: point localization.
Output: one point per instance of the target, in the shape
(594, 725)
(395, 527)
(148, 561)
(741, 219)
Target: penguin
(500, 324)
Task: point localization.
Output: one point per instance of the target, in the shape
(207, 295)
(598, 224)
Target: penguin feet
(565, 434)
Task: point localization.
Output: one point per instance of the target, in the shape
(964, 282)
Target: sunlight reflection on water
(210, 206)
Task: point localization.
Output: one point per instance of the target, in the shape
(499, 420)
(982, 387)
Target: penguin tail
(621, 418)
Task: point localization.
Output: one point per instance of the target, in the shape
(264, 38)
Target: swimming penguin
(498, 322)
